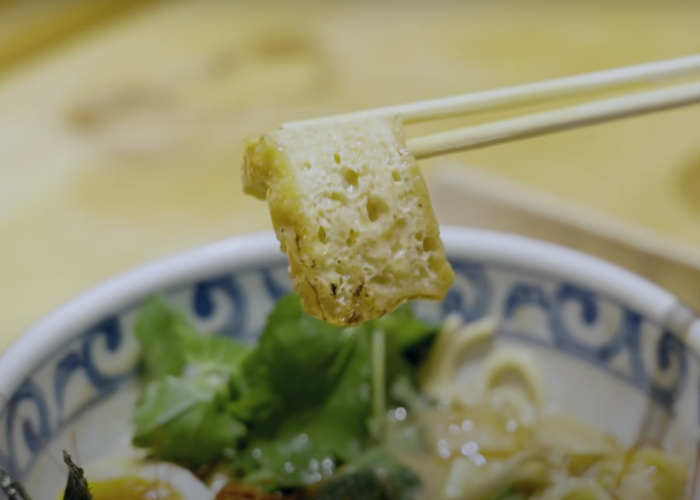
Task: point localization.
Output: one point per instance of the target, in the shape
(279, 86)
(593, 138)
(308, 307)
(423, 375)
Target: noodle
(496, 440)
(512, 363)
(470, 484)
(443, 362)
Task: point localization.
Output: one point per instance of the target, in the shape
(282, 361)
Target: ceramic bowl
(614, 349)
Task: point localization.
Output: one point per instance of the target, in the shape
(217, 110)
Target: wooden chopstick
(478, 136)
(523, 94)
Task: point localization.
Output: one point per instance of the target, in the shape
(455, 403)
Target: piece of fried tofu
(352, 212)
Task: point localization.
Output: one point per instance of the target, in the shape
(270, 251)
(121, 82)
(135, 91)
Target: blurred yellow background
(121, 128)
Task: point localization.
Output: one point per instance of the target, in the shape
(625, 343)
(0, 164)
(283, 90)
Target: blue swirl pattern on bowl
(537, 309)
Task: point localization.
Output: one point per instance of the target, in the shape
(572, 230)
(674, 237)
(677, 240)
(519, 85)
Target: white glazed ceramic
(614, 348)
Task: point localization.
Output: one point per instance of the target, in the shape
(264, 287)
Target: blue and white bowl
(615, 350)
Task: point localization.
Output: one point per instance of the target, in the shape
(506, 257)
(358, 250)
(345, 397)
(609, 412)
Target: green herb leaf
(291, 460)
(184, 419)
(334, 422)
(304, 357)
(170, 343)
(408, 329)
(290, 449)
(346, 414)
(374, 475)
(207, 352)
(161, 332)
(509, 493)
(334, 433)
(302, 398)
(191, 376)
(408, 337)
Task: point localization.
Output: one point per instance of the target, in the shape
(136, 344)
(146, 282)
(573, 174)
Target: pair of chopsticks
(478, 136)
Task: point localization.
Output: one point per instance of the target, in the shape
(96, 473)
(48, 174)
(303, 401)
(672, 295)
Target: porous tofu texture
(352, 211)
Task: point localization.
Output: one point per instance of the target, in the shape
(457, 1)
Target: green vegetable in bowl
(287, 412)
(182, 409)
(374, 475)
(316, 412)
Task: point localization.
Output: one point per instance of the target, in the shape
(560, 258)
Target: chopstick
(478, 136)
(586, 83)
(607, 110)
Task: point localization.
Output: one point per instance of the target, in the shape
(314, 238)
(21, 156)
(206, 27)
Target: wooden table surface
(125, 144)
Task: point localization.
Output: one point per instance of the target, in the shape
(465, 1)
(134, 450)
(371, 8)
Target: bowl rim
(256, 249)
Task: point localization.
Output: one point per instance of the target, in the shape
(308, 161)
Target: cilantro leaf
(408, 337)
(293, 448)
(205, 352)
(334, 421)
(161, 332)
(345, 416)
(304, 357)
(288, 411)
(184, 421)
(170, 343)
(374, 475)
(290, 460)
(408, 329)
(190, 376)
